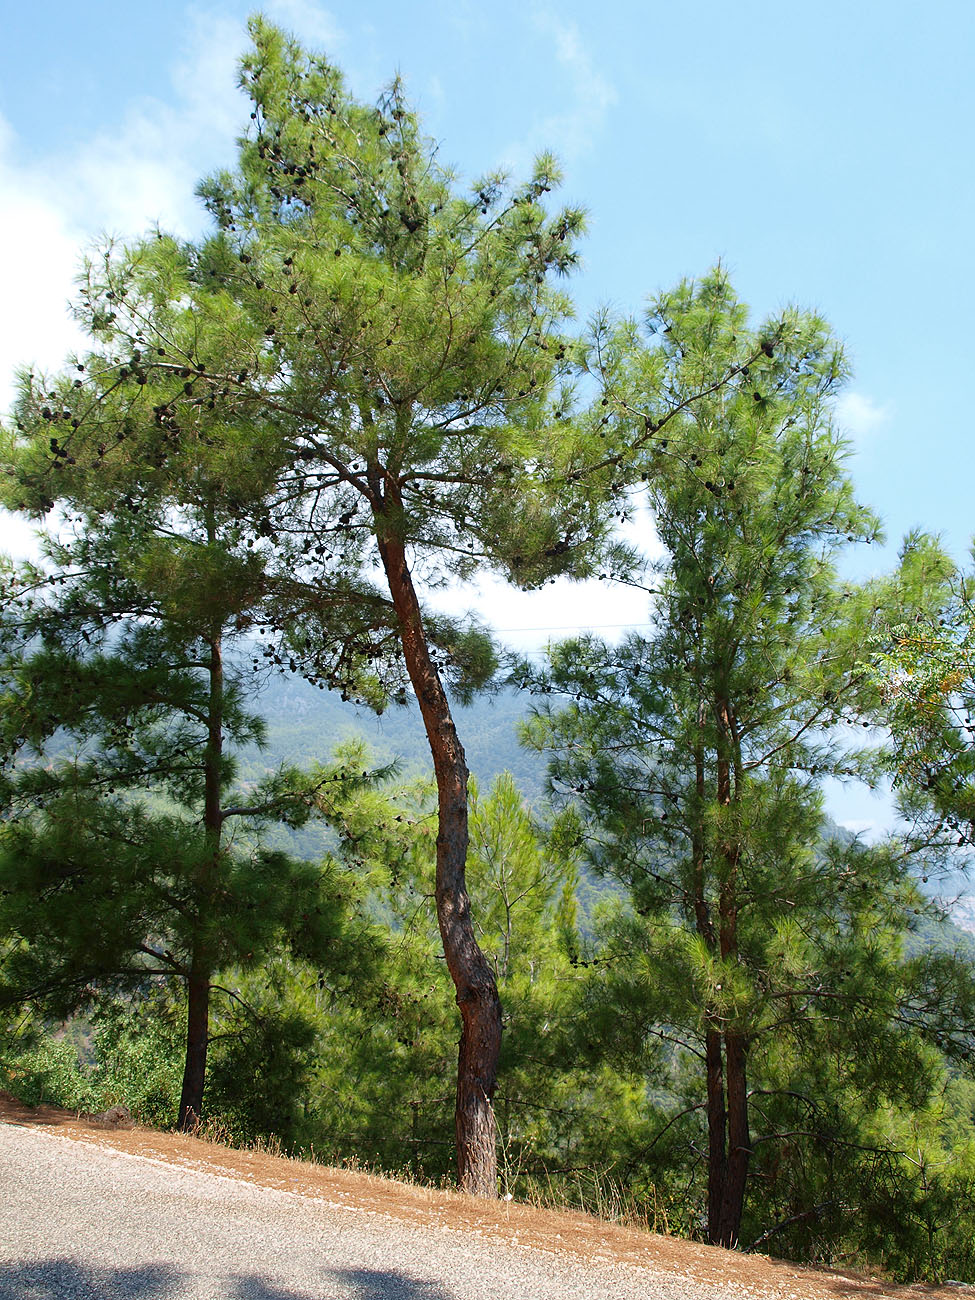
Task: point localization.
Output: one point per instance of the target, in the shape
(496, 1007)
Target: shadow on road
(68, 1279)
(58, 1279)
(383, 1284)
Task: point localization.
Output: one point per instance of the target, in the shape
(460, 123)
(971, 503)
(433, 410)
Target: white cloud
(132, 173)
(144, 168)
(870, 813)
(207, 98)
(528, 620)
(38, 260)
(574, 131)
(435, 91)
(17, 538)
(139, 170)
(308, 21)
(860, 416)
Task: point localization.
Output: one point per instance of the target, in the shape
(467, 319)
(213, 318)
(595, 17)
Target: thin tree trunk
(717, 1111)
(702, 913)
(717, 1132)
(735, 1048)
(198, 981)
(739, 1143)
(197, 1041)
(735, 1043)
(476, 989)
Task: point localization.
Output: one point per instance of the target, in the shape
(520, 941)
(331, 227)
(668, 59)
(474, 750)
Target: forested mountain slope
(305, 725)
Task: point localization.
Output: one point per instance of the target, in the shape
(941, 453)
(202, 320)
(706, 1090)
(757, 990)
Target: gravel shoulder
(90, 1211)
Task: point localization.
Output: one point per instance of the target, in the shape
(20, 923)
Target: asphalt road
(80, 1222)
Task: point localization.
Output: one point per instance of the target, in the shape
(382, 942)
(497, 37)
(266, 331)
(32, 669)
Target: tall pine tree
(129, 852)
(380, 344)
(699, 751)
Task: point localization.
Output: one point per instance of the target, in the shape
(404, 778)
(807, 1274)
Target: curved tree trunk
(477, 992)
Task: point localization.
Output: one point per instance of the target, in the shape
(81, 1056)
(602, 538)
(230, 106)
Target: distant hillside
(305, 725)
(963, 912)
(947, 936)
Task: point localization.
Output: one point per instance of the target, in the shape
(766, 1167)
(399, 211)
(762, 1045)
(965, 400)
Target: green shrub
(132, 1053)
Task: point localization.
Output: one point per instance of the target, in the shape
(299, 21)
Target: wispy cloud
(435, 93)
(860, 416)
(38, 260)
(574, 131)
(145, 167)
(138, 170)
(310, 21)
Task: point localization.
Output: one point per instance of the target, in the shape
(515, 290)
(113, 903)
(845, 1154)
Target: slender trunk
(213, 755)
(201, 968)
(717, 1132)
(702, 913)
(739, 1143)
(476, 988)
(725, 1230)
(717, 1112)
(197, 1039)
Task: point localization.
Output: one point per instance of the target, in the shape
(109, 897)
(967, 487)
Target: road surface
(82, 1222)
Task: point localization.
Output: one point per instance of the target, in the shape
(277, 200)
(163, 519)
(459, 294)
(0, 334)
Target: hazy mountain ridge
(305, 725)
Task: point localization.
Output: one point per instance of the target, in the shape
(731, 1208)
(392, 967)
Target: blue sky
(823, 152)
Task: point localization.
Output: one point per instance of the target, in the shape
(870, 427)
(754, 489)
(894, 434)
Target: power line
(572, 627)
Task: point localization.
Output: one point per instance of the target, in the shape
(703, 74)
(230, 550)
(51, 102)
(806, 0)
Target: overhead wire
(573, 627)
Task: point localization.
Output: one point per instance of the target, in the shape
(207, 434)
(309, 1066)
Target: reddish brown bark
(476, 989)
(717, 1129)
(739, 1145)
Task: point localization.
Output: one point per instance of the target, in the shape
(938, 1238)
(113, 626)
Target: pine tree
(699, 751)
(382, 1095)
(923, 661)
(128, 852)
(380, 345)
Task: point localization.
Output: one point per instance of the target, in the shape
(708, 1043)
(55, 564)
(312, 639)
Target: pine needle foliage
(698, 752)
(129, 854)
(923, 661)
(363, 351)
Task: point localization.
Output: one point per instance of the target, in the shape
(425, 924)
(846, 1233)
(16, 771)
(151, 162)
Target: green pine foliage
(380, 1088)
(283, 437)
(750, 953)
(129, 852)
(923, 662)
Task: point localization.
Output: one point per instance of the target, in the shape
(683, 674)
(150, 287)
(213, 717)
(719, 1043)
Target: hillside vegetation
(630, 964)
